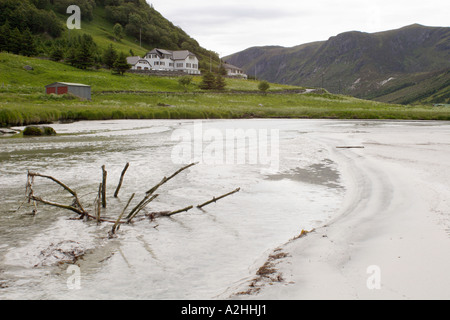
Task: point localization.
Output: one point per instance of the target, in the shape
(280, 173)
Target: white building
(139, 63)
(235, 72)
(166, 60)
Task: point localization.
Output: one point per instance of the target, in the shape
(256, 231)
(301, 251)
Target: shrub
(263, 86)
(185, 81)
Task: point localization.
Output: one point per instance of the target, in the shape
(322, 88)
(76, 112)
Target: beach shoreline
(390, 240)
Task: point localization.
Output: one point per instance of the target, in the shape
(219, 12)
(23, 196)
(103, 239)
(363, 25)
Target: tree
(110, 56)
(15, 41)
(28, 47)
(87, 7)
(4, 37)
(222, 70)
(121, 65)
(85, 52)
(220, 83)
(208, 81)
(118, 31)
(41, 21)
(263, 86)
(41, 4)
(70, 55)
(57, 54)
(134, 26)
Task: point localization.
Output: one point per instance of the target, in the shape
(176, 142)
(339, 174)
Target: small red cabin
(77, 89)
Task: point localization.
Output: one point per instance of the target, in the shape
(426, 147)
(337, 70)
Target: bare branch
(169, 214)
(218, 198)
(141, 206)
(104, 175)
(97, 203)
(165, 180)
(73, 193)
(116, 194)
(149, 193)
(116, 224)
(100, 200)
(54, 204)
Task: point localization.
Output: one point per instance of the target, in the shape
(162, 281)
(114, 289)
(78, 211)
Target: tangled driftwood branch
(76, 205)
(100, 201)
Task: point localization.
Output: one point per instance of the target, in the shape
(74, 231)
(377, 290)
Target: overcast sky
(230, 26)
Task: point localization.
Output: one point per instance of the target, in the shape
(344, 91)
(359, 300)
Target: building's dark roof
(182, 55)
(176, 55)
(133, 60)
(231, 67)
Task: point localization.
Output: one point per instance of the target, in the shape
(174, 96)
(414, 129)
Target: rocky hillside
(406, 65)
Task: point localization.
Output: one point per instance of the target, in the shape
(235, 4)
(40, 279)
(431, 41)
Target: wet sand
(391, 239)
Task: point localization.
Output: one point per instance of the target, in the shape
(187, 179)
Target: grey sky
(234, 25)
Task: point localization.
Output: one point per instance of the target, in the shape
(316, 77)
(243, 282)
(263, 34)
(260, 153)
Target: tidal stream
(288, 180)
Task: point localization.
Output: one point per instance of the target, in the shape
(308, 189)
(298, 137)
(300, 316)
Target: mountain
(407, 65)
(128, 25)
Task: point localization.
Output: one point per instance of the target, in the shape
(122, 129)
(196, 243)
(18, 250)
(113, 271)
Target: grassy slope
(102, 32)
(22, 98)
(421, 88)
(15, 79)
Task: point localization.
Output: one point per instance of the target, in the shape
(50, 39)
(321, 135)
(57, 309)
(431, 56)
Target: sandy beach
(390, 240)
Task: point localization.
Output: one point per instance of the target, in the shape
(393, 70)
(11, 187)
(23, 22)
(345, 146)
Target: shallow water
(193, 255)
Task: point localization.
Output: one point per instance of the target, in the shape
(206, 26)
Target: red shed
(77, 89)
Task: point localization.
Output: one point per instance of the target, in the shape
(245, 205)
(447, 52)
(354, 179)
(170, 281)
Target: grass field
(23, 101)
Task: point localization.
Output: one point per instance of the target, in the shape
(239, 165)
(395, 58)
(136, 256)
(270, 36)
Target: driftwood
(104, 175)
(140, 206)
(165, 180)
(154, 215)
(149, 197)
(351, 147)
(116, 194)
(218, 198)
(100, 201)
(117, 223)
(177, 212)
(76, 205)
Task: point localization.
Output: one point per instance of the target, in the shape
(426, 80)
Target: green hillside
(15, 79)
(419, 88)
(142, 28)
(23, 100)
(364, 65)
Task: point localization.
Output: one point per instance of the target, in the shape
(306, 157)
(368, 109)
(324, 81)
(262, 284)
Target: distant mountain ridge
(365, 65)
